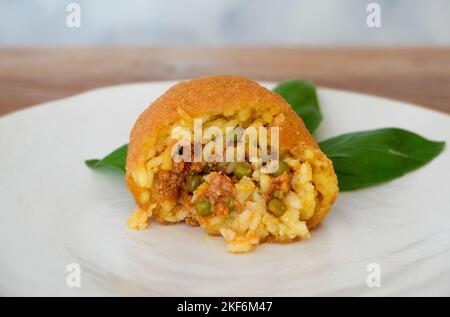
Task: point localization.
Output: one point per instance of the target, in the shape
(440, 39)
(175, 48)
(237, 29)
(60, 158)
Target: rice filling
(235, 200)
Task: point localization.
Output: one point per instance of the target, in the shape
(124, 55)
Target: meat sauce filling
(218, 197)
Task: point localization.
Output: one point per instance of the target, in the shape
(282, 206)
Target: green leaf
(302, 97)
(115, 159)
(367, 158)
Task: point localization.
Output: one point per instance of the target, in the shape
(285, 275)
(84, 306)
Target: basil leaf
(302, 97)
(115, 159)
(367, 158)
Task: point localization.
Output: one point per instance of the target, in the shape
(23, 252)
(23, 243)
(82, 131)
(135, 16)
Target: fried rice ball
(235, 200)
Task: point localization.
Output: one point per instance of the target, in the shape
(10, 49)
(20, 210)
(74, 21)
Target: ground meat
(196, 167)
(221, 209)
(220, 191)
(190, 220)
(220, 186)
(169, 183)
(280, 183)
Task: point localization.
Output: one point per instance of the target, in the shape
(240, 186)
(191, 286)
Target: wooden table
(33, 75)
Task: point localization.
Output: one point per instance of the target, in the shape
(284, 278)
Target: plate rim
(169, 83)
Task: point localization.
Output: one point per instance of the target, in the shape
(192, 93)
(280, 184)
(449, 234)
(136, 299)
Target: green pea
(203, 207)
(278, 194)
(276, 207)
(282, 167)
(193, 183)
(207, 169)
(231, 204)
(242, 169)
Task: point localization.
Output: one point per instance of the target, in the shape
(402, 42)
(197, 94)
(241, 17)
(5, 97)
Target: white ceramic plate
(55, 211)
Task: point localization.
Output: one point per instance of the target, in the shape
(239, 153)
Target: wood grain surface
(33, 75)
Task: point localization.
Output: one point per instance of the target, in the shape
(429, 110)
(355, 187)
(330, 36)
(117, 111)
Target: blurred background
(52, 49)
(225, 22)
